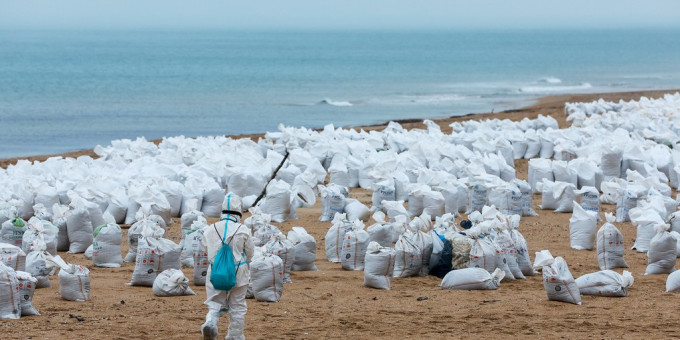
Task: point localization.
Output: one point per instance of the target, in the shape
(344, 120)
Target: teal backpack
(224, 269)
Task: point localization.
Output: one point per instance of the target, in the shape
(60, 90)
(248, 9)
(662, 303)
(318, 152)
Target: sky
(338, 14)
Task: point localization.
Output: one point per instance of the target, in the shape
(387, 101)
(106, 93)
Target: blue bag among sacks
(224, 269)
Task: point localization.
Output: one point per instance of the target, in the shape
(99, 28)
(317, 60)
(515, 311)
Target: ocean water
(69, 90)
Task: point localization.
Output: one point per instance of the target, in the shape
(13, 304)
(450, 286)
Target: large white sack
(645, 220)
(382, 191)
(539, 169)
(506, 198)
(478, 196)
(611, 162)
(266, 277)
(154, 255)
(547, 146)
(303, 196)
(627, 200)
(605, 283)
(283, 248)
(356, 210)
(433, 204)
(472, 279)
(504, 241)
(12, 256)
(46, 195)
(582, 228)
(191, 242)
(354, 246)
(171, 282)
(305, 249)
(200, 260)
(211, 205)
(10, 303)
(44, 230)
(415, 199)
(12, 231)
(413, 250)
(590, 200)
(533, 145)
(27, 285)
(41, 212)
(79, 228)
(562, 172)
(557, 280)
(334, 237)
(60, 215)
(378, 266)
(394, 209)
(662, 252)
(189, 218)
(118, 203)
(74, 280)
(332, 201)
(454, 197)
(610, 247)
(611, 191)
(673, 282)
(558, 196)
(135, 232)
(482, 253)
(265, 233)
(523, 258)
(277, 201)
(37, 264)
(674, 221)
(381, 231)
(527, 197)
(106, 246)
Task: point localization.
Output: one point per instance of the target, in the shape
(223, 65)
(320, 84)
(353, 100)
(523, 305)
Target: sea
(66, 90)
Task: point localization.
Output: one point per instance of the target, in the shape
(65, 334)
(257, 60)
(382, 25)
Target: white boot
(209, 328)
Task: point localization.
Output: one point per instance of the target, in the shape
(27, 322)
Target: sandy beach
(333, 303)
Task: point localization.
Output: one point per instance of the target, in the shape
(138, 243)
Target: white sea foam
(551, 89)
(550, 80)
(335, 103)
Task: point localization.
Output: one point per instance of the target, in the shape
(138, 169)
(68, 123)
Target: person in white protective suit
(233, 301)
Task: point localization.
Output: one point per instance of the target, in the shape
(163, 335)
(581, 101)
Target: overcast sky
(338, 14)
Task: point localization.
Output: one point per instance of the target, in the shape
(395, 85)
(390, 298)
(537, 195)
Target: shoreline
(552, 105)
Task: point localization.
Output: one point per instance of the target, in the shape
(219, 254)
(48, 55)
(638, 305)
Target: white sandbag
(413, 250)
(281, 247)
(523, 258)
(506, 198)
(454, 197)
(118, 203)
(482, 253)
(191, 242)
(302, 196)
(582, 228)
(562, 172)
(605, 283)
(675, 221)
(27, 285)
(519, 148)
(590, 200)
(415, 200)
(539, 169)
(557, 280)
(527, 197)
(378, 266)
(332, 201)
(265, 233)
(135, 232)
(472, 279)
(673, 282)
(200, 260)
(611, 162)
(533, 146)
(478, 196)
(627, 200)
(305, 249)
(394, 209)
(610, 247)
(171, 282)
(354, 246)
(37, 264)
(266, 276)
(356, 210)
(662, 252)
(74, 283)
(277, 201)
(211, 205)
(189, 218)
(645, 220)
(547, 146)
(10, 300)
(79, 228)
(335, 237)
(41, 213)
(433, 204)
(558, 196)
(611, 191)
(44, 230)
(381, 231)
(88, 252)
(12, 256)
(60, 217)
(106, 246)
(46, 195)
(504, 241)
(154, 255)
(382, 191)
(12, 231)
